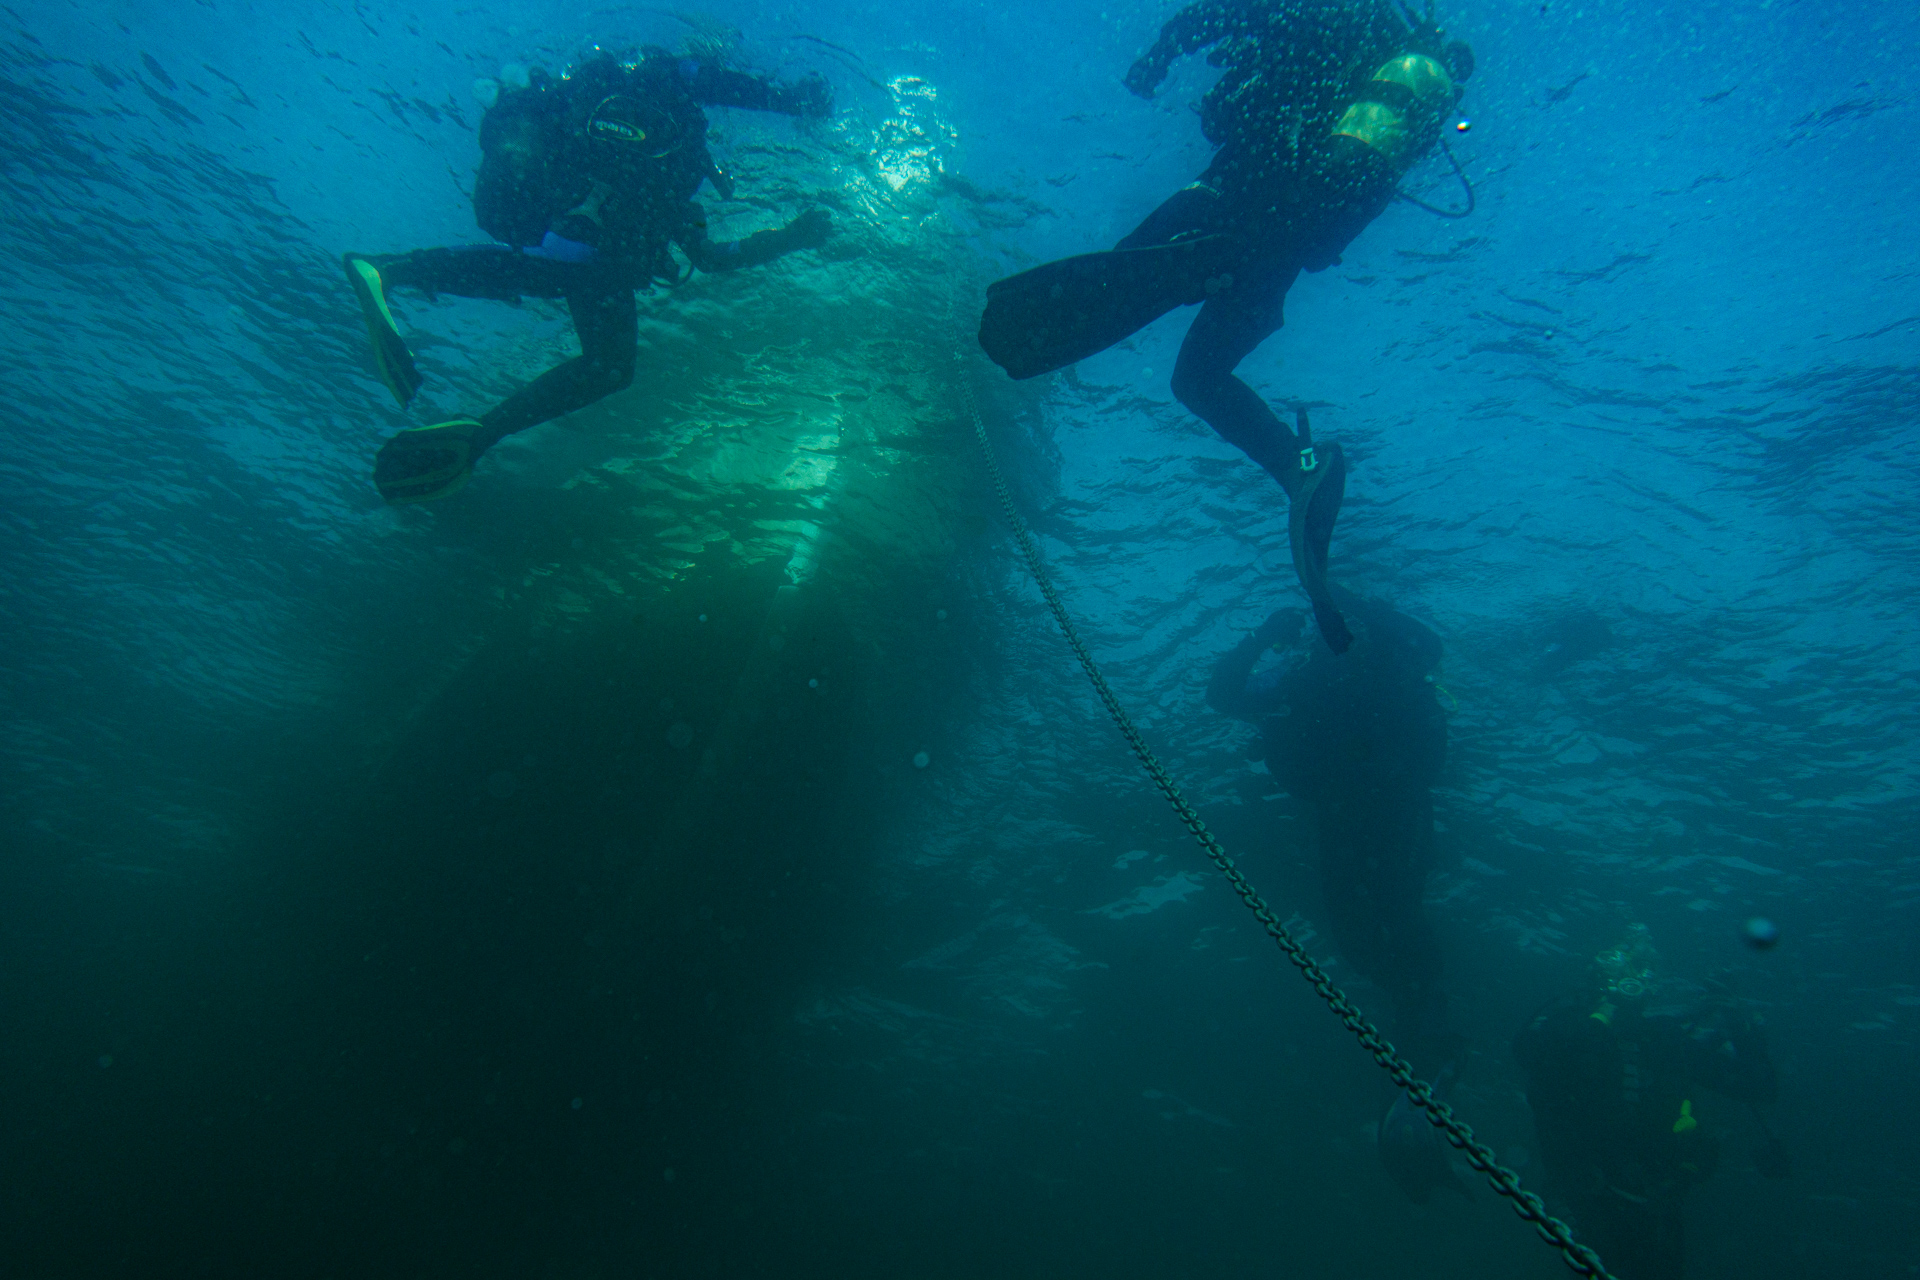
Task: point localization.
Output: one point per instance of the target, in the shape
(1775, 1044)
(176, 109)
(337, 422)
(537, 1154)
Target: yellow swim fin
(424, 463)
(391, 359)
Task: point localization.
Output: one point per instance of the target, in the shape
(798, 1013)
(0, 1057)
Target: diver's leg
(1235, 320)
(1666, 1244)
(1411, 963)
(1352, 925)
(489, 271)
(1346, 882)
(1230, 325)
(479, 271)
(1188, 211)
(424, 463)
(1638, 1237)
(608, 322)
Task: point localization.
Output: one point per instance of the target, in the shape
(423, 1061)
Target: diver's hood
(1458, 59)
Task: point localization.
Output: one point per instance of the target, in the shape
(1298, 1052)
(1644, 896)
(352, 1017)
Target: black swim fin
(1053, 315)
(1315, 507)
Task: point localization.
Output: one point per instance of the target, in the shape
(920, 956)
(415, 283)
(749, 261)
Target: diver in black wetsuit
(1321, 108)
(585, 181)
(1613, 1074)
(1359, 741)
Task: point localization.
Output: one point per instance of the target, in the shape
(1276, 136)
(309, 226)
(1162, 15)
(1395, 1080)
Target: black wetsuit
(581, 221)
(1294, 192)
(1613, 1086)
(1359, 739)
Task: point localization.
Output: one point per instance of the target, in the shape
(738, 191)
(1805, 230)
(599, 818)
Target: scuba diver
(1359, 741)
(1322, 106)
(1612, 1076)
(585, 181)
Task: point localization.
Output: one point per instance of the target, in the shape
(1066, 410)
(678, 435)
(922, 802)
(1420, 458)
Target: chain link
(1583, 1260)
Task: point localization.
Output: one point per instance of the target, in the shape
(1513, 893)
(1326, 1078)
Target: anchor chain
(1579, 1257)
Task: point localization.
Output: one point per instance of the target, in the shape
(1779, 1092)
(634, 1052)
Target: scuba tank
(521, 139)
(1397, 115)
(622, 135)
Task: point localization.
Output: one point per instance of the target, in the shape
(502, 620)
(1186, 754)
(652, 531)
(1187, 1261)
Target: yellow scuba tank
(1399, 111)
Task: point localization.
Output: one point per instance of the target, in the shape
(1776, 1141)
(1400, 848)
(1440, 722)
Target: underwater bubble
(486, 92)
(502, 784)
(921, 759)
(514, 76)
(579, 1103)
(703, 617)
(813, 684)
(681, 735)
(939, 615)
(1760, 933)
(668, 1174)
(106, 1060)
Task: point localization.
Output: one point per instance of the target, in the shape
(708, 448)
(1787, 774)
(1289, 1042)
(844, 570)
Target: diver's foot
(424, 463)
(391, 359)
(1321, 488)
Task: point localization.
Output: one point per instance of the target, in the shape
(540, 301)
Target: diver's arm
(1732, 1059)
(1734, 1062)
(1194, 27)
(1227, 689)
(808, 231)
(713, 85)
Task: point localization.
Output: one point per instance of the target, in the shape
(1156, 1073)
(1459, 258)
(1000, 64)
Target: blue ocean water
(691, 850)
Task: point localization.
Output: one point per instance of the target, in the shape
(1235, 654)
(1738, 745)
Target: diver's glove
(1145, 75)
(808, 231)
(1772, 1160)
(812, 96)
(555, 247)
(1281, 624)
